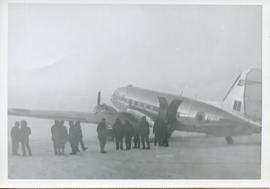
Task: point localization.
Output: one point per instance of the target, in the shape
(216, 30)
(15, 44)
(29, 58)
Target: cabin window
(135, 103)
(200, 116)
(237, 105)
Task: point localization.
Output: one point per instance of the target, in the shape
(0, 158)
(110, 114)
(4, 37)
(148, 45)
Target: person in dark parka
(73, 138)
(118, 132)
(15, 138)
(136, 138)
(80, 135)
(54, 131)
(165, 135)
(157, 130)
(144, 131)
(102, 134)
(25, 133)
(62, 138)
(129, 132)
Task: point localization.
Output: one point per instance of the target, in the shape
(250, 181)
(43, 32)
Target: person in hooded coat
(118, 133)
(164, 135)
(73, 138)
(102, 134)
(25, 133)
(157, 130)
(144, 132)
(55, 133)
(80, 135)
(15, 138)
(129, 132)
(136, 139)
(62, 138)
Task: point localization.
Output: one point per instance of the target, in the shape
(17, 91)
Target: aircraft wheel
(229, 139)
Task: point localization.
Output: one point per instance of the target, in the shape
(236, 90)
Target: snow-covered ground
(189, 156)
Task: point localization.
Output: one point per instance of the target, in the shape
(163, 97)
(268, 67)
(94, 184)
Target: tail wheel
(229, 139)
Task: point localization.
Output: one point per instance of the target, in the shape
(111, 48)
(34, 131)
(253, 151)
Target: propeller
(103, 107)
(98, 98)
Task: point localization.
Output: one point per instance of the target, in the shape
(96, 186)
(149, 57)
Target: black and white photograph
(134, 91)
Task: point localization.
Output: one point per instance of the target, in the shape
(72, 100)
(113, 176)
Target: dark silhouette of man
(164, 135)
(80, 135)
(62, 138)
(73, 138)
(55, 137)
(118, 134)
(136, 138)
(25, 133)
(102, 134)
(157, 130)
(129, 132)
(144, 130)
(15, 138)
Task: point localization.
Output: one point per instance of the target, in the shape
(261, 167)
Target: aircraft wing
(65, 115)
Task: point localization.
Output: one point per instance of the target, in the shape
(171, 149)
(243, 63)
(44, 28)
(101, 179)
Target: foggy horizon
(62, 59)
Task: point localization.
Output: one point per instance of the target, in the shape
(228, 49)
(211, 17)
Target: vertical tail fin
(245, 95)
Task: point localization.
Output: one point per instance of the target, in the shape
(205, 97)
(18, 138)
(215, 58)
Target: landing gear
(229, 139)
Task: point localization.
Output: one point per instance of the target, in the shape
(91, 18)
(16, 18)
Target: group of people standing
(122, 132)
(125, 131)
(20, 133)
(60, 136)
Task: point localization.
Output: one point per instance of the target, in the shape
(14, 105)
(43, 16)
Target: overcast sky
(61, 55)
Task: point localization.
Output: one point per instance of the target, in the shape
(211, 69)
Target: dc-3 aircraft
(238, 114)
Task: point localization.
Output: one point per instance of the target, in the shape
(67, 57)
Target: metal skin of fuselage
(216, 121)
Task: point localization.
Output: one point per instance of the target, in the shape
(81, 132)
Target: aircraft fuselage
(190, 116)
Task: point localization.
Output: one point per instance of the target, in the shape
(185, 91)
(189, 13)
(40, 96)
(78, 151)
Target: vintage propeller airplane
(239, 113)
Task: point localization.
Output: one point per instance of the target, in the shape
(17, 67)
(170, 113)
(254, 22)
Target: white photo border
(109, 183)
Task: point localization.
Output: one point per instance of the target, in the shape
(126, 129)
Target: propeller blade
(98, 98)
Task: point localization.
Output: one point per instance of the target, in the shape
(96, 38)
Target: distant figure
(102, 134)
(62, 138)
(15, 138)
(80, 135)
(118, 133)
(157, 130)
(129, 132)
(25, 133)
(55, 131)
(73, 138)
(136, 138)
(144, 131)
